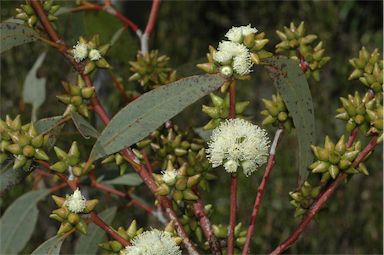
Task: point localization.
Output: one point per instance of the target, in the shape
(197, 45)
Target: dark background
(352, 222)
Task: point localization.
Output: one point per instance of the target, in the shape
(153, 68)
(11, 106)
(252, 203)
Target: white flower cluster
(233, 54)
(237, 142)
(154, 242)
(169, 176)
(75, 202)
(80, 52)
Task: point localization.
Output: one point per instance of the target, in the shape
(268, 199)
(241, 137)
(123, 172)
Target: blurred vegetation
(352, 222)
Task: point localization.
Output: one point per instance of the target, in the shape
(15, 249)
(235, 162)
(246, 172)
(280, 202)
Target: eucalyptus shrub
(177, 166)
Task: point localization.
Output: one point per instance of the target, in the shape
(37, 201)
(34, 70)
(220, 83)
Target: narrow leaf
(18, 222)
(46, 124)
(34, 87)
(85, 129)
(293, 87)
(13, 34)
(117, 35)
(87, 244)
(131, 179)
(151, 110)
(50, 247)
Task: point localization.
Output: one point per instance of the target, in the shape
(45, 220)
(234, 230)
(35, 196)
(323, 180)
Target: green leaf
(50, 247)
(136, 120)
(116, 36)
(293, 87)
(9, 177)
(46, 124)
(34, 87)
(18, 222)
(85, 129)
(13, 34)
(87, 244)
(131, 179)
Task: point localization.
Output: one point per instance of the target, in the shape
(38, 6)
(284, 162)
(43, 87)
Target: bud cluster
(113, 246)
(28, 15)
(69, 161)
(276, 113)
(333, 158)
(220, 110)
(240, 234)
(152, 70)
(76, 97)
(23, 141)
(299, 46)
(236, 56)
(365, 113)
(119, 161)
(69, 217)
(177, 183)
(368, 69)
(303, 198)
(90, 52)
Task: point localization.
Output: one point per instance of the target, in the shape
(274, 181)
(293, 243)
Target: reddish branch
(99, 222)
(233, 185)
(352, 137)
(119, 86)
(317, 205)
(108, 9)
(260, 190)
(152, 17)
(205, 224)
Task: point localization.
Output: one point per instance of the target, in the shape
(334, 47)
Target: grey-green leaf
(47, 124)
(87, 244)
(13, 34)
(18, 222)
(293, 87)
(131, 179)
(135, 121)
(9, 177)
(50, 247)
(34, 87)
(85, 129)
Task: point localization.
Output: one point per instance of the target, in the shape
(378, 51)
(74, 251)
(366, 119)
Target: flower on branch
(94, 55)
(169, 176)
(80, 51)
(76, 202)
(237, 142)
(154, 242)
(235, 34)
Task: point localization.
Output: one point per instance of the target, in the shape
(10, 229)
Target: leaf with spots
(136, 120)
(13, 34)
(293, 87)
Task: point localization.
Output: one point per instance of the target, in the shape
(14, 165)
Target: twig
(205, 224)
(99, 222)
(119, 86)
(352, 137)
(294, 236)
(233, 185)
(150, 25)
(260, 190)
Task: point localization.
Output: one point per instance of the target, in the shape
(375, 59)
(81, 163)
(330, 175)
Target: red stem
(152, 17)
(352, 137)
(233, 185)
(147, 162)
(119, 86)
(99, 222)
(294, 236)
(108, 9)
(137, 203)
(205, 224)
(260, 190)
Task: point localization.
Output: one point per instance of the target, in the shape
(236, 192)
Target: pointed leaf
(18, 222)
(13, 34)
(34, 87)
(85, 129)
(87, 244)
(293, 87)
(50, 247)
(151, 110)
(131, 179)
(46, 124)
